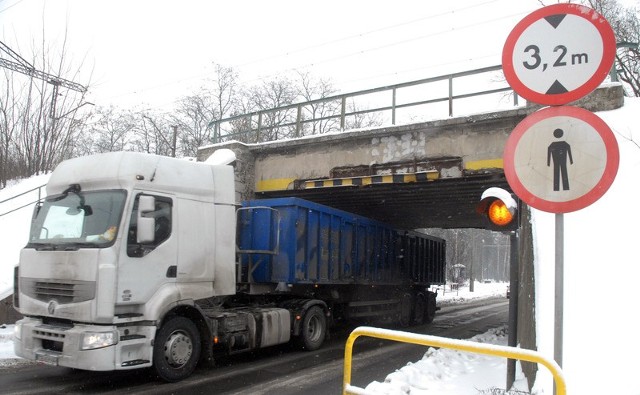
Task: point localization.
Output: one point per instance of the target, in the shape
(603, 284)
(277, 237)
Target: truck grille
(67, 291)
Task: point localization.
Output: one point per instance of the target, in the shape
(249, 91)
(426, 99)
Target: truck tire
(176, 350)
(430, 311)
(313, 329)
(420, 309)
(406, 310)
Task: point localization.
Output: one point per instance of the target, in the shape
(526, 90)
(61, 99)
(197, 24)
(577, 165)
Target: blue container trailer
(361, 269)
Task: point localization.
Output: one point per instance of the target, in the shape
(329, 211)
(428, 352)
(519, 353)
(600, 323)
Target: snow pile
(445, 371)
(448, 295)
(6, 344)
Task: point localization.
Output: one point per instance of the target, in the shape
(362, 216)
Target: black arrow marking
(556, 89)
(554, 20)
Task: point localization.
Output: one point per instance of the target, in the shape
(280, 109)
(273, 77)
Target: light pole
(500, 209)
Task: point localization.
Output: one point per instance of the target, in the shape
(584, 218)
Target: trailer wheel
(313, 329)
(420, 309)
(430, 311)
(406, 309)
(177, 349)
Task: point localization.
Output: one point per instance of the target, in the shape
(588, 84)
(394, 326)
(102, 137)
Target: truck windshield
(77, 219)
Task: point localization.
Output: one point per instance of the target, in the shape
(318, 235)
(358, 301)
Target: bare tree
(112, 130)
(40, 123)
(225, 90)
(153, 134)
(311, 89)
(626, 27)
(9, 126)
(272, 94)
(192, 117)
(361, 117)
(197, 112)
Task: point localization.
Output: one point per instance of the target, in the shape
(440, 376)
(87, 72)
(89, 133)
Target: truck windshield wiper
(75, 246)
(44, 246)
(61, 246)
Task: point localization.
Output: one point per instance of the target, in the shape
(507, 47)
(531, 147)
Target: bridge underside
(441, 203)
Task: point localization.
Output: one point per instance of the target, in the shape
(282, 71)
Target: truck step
(124, 338)
(135, 362)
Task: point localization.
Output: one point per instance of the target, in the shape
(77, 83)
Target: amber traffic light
(499, 208)
(499, 214)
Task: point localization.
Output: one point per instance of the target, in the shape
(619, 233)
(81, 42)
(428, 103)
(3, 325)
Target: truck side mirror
(146, 225)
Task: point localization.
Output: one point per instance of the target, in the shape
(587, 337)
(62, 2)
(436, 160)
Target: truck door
(146, 266)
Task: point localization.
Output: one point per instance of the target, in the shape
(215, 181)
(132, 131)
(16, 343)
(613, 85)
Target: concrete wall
(477, 141)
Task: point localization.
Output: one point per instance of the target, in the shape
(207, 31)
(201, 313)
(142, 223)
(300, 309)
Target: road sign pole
(559, 292)
(554, 56)
(514, 290)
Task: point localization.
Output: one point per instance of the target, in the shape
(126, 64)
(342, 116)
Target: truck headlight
(93, 340)
(17, 330)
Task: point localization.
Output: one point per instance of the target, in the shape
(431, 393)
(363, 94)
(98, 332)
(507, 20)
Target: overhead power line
(22, 66)
(335, 41)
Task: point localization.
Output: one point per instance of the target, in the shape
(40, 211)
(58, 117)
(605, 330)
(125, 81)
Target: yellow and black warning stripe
(423, 176)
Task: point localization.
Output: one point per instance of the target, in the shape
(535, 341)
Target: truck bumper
(62, 346)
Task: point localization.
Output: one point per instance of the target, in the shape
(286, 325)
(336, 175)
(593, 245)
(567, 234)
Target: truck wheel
(420, 309)
(313, 330)
(406, 308)
(177, 349)
(430, 311)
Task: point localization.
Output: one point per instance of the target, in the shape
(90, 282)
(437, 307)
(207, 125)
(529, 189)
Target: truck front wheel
(177, 349)
(313, 329)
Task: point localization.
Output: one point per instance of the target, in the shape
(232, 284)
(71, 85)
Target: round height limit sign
(558, 54)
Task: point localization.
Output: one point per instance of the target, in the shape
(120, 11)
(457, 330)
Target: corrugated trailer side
(315, 244)
(293, 251)
(424, 258)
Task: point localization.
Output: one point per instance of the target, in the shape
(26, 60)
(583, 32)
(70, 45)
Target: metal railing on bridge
(341, 112)
(20, 205)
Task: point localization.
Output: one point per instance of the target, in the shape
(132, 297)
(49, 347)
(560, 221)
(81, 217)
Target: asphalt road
(279, 370)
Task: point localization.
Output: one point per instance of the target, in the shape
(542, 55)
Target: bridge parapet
(455, 148)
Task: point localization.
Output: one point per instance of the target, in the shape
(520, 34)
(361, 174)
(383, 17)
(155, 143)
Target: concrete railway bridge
(417, 175)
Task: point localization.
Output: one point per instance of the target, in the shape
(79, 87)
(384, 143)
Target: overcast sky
(147, 53)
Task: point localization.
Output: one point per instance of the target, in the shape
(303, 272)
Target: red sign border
(609, 174)
(608, 55)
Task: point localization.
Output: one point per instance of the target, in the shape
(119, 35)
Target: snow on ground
(445, 371)
(6, 344)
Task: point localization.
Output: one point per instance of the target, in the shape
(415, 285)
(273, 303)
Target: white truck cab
(104, 268)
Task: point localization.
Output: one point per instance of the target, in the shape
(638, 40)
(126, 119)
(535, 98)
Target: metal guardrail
(39, 189)
(294, 117)
(455, 344)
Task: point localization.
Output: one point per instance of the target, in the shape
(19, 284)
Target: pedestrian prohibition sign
(561, 159)
(558, 54)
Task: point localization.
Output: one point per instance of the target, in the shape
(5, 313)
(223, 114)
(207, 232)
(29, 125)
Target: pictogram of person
(559, 151)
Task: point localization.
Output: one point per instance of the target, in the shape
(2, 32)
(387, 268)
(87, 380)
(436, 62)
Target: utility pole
(175, 138)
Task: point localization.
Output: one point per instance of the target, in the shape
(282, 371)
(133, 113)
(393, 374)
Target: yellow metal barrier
(442, 342)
